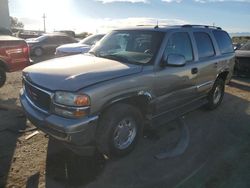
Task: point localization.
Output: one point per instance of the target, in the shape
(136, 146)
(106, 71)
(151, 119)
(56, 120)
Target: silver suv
(133, 79)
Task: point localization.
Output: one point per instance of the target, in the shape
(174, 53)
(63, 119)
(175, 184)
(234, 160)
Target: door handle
(194, 70)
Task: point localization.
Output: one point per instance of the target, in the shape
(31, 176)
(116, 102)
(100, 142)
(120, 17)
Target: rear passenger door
(206, 61)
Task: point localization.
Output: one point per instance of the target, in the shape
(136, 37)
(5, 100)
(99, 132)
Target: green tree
(15, 23)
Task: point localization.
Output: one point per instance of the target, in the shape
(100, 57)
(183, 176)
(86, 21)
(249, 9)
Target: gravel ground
(217, 156)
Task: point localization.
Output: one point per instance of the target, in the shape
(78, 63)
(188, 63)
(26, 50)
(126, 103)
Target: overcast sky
(103, 15)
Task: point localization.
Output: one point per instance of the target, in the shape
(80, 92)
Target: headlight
(71, 105)
(71, 99)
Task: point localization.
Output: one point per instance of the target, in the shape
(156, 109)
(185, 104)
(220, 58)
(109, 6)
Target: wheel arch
(3, 65)
(223, 75)
(141, 100)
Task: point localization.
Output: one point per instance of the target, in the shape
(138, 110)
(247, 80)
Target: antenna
(157, 24)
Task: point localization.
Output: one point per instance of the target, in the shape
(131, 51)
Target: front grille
(40, 98)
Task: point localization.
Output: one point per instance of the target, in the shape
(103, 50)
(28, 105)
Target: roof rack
(203, 26)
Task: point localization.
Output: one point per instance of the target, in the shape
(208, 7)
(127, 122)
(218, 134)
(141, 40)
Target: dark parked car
(48, 43)
(76, 48)
(242, 61)
(134, 78)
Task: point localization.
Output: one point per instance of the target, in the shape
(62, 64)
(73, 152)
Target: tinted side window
(49, 40)
(61, 39)
(223, 41)
(180, 43)
(204, 44)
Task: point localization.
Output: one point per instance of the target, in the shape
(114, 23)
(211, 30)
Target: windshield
(246, 47)
(41, 38)
(91, 40)
(129, 46)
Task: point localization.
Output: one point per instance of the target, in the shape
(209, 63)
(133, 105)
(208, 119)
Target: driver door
(176, 86)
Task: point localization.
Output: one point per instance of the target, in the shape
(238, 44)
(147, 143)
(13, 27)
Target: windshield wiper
(93, 53)
(116, 57)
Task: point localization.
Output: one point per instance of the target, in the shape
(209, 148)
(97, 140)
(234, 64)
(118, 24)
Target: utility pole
(44, 23)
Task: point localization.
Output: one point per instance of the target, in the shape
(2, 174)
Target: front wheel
(38, 52)
(2, 77)
(216, 94)
(119, 130)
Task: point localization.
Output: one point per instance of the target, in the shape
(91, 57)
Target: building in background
(4, 14)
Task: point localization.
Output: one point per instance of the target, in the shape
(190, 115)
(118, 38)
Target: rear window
(204, 45)
(224, 41)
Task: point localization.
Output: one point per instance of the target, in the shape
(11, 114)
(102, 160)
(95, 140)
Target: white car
(76, 48)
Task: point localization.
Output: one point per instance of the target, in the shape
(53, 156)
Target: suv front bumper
(76, 134)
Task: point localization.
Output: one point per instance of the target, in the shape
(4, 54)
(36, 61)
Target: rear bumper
(77, 134)
(12, 67)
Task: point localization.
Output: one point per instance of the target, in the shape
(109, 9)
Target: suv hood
(76, 72)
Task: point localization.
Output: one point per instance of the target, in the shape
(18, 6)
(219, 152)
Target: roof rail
(204, 26)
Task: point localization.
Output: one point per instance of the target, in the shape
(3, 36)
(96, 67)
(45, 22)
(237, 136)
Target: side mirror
(175, 60)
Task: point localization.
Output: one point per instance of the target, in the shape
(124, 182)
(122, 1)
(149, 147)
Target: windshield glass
(91, 40)
(246, 47)
(129, 46)
(41, 38)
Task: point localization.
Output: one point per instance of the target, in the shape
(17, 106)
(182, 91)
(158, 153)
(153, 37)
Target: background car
(48, 43)
(81, 47)
(242, 60)
(14, 55)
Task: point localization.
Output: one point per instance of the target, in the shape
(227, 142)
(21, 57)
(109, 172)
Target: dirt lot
(217, 155)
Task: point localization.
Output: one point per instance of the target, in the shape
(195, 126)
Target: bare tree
(15, 23)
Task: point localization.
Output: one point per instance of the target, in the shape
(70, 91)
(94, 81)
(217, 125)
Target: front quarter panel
(115, 90)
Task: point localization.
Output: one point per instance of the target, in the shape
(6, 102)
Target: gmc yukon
(132, 79)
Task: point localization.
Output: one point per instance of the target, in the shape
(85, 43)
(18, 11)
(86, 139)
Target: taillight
(26, 50)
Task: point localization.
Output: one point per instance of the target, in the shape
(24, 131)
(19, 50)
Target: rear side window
(180, 43)
(223, 41)
(204, 44)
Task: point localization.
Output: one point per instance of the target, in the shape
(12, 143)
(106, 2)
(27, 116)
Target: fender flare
(128, 96)
(3, 64)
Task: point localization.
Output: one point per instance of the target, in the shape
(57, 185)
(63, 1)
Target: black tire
(110, 122)
(2, 77)
(216, 94)
(38, 52)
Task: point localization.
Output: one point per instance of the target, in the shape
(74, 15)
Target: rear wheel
(215, 96)
(2, 77)
(119, 130)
